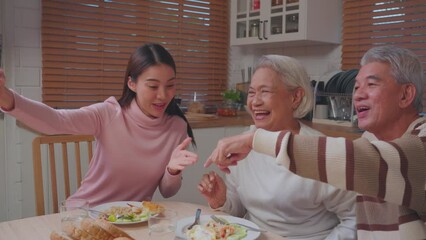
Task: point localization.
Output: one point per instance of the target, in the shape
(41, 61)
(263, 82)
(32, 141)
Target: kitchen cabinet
(207, 139)
(285, 21)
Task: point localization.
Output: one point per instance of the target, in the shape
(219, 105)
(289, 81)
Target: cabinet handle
(264, 29)
(258, 32)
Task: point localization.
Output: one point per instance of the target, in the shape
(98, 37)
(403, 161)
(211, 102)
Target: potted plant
(231, 103)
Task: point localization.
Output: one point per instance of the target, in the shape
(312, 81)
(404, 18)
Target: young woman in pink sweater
(140, 139)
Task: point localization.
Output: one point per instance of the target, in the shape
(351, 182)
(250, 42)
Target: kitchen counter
(336, 131)
(244, 119)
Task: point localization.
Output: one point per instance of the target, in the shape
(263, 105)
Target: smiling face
(154, 89)
(270, 102)
(380, 102)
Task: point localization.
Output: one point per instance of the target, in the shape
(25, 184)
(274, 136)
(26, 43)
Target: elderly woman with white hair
(266, 193)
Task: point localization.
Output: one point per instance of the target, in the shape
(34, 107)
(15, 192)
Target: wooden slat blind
(369, 23)
(86, 45)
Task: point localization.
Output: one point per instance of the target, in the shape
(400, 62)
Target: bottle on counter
(321, 105)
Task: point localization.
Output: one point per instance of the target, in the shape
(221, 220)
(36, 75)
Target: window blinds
(86, 45)
(369, 23)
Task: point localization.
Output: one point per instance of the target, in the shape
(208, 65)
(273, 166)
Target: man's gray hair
(405, 66)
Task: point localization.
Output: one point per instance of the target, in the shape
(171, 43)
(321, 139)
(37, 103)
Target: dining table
(40, 227)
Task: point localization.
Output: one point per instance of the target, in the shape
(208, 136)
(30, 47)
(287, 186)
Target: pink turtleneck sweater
(131, 153)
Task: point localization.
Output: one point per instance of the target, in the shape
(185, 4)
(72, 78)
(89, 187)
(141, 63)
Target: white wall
(21, 20)
(317, 59)
(22, 65)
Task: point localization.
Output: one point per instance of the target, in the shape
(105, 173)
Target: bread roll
(122, 238)
(112, 230)
(77, 233)
(89, 225)
(59, 236)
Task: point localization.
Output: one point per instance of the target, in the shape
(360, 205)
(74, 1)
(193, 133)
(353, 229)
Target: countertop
(211, 121)
(244, 119)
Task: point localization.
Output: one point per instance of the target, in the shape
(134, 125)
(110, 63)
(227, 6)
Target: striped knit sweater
(389, 176)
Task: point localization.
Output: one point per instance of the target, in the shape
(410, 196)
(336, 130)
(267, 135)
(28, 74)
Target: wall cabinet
(291, 21)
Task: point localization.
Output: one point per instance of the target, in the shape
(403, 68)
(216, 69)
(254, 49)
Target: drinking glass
(72, 211)
(163, 225)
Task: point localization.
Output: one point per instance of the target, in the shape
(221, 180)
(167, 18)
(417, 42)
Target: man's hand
(230, 150)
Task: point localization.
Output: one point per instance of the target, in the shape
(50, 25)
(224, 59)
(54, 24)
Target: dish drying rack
(340, 110)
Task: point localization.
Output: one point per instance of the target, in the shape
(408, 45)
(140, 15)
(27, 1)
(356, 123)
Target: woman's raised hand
(213, 188)
(6, 96)
(181, 157)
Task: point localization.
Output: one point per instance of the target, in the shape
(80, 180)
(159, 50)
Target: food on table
(90, 226)
(131, 213)
(216, 231)
(115, 231)
(59, 236)
(154, 208)
(125, 214)
(201, 233)
(90, 229)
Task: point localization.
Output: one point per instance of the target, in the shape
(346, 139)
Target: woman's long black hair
(145, 56)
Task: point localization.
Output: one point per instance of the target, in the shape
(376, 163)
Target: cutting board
(199, 116)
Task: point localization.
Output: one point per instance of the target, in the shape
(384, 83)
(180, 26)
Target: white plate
(183, 223)
(106, 206)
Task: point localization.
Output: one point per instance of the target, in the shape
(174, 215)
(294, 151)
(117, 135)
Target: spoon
(197, 219)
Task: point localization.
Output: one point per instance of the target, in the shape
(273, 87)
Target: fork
(218, 220)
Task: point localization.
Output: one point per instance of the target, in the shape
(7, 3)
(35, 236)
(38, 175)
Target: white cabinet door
(294, 22)
(207, 139)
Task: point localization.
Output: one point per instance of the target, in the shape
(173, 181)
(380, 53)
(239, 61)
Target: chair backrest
(63, 141)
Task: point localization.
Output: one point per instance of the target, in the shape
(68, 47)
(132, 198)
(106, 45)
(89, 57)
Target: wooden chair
(50, 142)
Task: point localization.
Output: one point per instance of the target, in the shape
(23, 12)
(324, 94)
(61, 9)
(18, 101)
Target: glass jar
(254, 29)
(292, 23)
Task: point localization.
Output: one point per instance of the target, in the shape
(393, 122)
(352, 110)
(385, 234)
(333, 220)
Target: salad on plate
(216, 231)
(123, 212)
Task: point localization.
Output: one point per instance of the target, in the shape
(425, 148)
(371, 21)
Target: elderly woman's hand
(181, 158)
(213, 188)
(230, 150)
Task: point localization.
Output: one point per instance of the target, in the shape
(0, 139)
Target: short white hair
(293, 75)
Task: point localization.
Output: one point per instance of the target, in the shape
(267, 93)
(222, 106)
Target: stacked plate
(342, 82)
